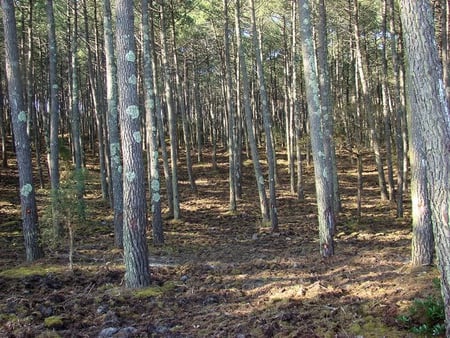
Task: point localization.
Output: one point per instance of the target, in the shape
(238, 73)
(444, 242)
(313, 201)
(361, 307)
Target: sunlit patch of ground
(221, 274)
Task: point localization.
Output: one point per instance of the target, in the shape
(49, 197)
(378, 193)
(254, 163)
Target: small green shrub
(425, 316)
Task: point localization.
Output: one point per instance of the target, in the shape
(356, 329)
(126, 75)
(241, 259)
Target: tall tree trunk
(172, 116)
(3, 125)
(98, 109)
(113, 125)
(327, 105)
(53, 158)
(363, 73)
(399, 111)
(249, 121)
(134, 214)
(151, 128)
(430, 115)
(322, 170)
(230, 108)
(21, 141)
(271, 160)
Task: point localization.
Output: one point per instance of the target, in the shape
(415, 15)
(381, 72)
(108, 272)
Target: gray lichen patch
(26, 190)
(133, 111)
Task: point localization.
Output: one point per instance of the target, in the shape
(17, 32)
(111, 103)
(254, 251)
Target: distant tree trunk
(98, 109)
(249, 121)
(134, 214)
(399, 111)
(182, 108)
(172, 116)
(113, 125)
(232, 184)
(362, 73)
(386, 105)
(21, 141)
(271, 160)
(430, 115)
(151, 129)
(322, 170)
(3, 125)
(75, 119)
(53, 158)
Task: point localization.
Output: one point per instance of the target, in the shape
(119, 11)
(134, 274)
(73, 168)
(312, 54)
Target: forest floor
(219, 274)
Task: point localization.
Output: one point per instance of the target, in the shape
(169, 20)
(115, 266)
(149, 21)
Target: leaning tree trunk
(21, 140)
(137, 272)
(430, 117)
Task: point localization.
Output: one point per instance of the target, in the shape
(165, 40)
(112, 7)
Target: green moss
(53, 322)
(30, 270)
(48, 334)
(372, 327)
(155, 291)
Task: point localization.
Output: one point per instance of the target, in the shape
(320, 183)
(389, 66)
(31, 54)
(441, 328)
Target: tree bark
(323, 173)
(430, 115)
(134, 214)
(21, 141)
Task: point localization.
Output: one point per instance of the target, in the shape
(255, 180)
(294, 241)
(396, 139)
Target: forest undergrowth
(219, 274)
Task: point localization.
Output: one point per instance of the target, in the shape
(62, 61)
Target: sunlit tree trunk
(230, 107)
(249, 121)
(326, 101)
(271, 160)
(430, 117)
(362, 74)
(113, 125)
(21, 141)
(322, 170)
(134, 214)
(172, 116)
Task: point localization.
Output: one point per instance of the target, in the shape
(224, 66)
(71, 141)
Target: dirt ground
(219, 274)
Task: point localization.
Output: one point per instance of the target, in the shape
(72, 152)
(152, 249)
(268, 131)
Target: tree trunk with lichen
(21, 140)
(134, 202)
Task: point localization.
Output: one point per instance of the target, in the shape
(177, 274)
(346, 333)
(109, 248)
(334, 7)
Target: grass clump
(155, 291)
(425, 316)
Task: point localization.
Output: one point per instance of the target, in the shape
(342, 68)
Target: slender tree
(113, 125)
(249, 120)
(134, 214)
(430, 119)
(151, 128)
(21, 141)
(271, 160)
(53, 156)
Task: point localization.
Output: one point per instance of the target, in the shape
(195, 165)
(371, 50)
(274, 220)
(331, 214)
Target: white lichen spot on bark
(156, 197)
(321, 154)
(119, 168)
(261, 180)
(325, 173)
(130, 56)
(137, 136)
(132, 79)
(22, 116)
(130, 176)
(26, 190)
(155, 185)
(133, 111)
(55, 86)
